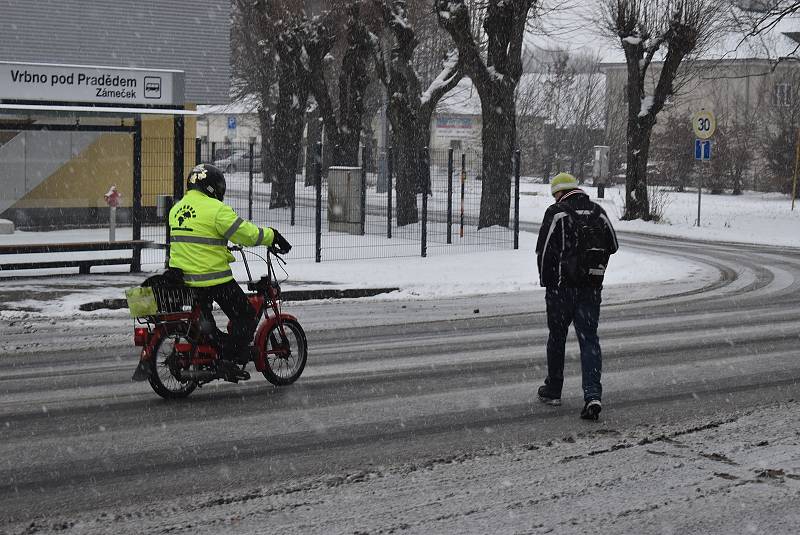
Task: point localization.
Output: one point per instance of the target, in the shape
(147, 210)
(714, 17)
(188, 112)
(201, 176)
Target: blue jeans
(580, 306)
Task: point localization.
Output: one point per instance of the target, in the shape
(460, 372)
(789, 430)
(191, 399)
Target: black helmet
(208, 179)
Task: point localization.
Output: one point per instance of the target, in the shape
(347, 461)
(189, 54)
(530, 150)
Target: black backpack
(585, 263)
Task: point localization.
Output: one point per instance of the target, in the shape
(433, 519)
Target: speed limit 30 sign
(704, 124)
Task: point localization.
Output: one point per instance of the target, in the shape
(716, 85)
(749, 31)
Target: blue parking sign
(231, 122)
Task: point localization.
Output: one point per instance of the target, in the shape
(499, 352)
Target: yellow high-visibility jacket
(200, 228)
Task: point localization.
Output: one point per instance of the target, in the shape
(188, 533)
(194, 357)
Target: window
(782, 95)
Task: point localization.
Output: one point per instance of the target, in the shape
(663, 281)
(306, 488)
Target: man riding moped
(201, 226)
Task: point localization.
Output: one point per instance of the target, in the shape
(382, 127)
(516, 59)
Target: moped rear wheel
(285, 357)
(164, 378)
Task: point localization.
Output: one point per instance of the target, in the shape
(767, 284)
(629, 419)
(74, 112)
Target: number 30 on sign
(704, 124)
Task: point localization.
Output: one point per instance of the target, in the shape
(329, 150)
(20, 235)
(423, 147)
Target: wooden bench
(83, 265)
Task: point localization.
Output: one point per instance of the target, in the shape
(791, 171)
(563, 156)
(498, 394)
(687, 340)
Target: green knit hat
(562, 182)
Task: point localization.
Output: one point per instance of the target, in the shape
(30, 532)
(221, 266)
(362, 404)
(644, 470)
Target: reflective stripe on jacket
(200, 228)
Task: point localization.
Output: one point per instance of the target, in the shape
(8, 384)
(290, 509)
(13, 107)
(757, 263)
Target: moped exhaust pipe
(198, 375)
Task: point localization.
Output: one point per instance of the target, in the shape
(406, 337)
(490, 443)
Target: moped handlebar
(271, 249)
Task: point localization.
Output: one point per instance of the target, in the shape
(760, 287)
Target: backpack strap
(593, 214)
(570, 210)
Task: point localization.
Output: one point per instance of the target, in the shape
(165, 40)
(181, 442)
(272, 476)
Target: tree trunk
(498, 110)
(288, 141)
(313, 136)
(405, 138)
(353, 84)
(267, 153)
(293, 89)
(637, 204)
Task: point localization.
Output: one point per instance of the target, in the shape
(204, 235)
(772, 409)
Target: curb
(289, 295)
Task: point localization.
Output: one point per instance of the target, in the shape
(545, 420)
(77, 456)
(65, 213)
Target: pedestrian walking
(575, 242)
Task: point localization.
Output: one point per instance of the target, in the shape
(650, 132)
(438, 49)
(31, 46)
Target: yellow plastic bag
(141, 302)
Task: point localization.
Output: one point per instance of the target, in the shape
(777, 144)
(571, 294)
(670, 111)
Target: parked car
(239, 160)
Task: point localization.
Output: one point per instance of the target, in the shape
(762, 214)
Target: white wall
(215, 128)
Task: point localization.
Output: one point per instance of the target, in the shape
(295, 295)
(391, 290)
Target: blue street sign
(231, 122)
(702, 149)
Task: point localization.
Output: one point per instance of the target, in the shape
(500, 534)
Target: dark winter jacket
(558, 237)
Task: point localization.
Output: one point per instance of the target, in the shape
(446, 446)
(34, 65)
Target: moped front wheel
(285, 352)
(167, 365)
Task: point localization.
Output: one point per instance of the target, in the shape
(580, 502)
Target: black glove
(279, 243)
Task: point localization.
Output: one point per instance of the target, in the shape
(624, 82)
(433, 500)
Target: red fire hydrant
(112, 197)
(112, 200)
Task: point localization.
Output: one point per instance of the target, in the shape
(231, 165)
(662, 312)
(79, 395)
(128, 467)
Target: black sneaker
(591, 411)
(549, 397)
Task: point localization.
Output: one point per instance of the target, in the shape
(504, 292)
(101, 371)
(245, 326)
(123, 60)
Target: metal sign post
(796, 163)
(702, 152)
(704, 125)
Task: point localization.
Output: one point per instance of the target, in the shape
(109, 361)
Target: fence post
(213, 151)
(177, 156)
(293, 195)
(250, 186)
(318, 208)
(424, 235)
(136, 209)
(198, 148)
(389, 160)
(449, 196)
(169, 202)
(463, 180)
(363, 199)
(516, 198)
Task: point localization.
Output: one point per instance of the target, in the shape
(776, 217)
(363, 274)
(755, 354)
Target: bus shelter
(68, 133)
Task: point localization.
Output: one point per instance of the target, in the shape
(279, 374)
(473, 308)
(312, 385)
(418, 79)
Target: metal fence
(339, 213)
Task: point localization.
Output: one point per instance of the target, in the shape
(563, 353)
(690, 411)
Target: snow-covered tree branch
(672, 31)
(409, 108)
(496, 74)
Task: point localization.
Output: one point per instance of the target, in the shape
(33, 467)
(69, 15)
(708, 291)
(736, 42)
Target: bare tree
(343, 122)
(293, 90)
(780, 132)
(760, 16)
(674, 30)
(587, 102)
(671, 151)
(560, 77)
(495, 74)
(255, 71)
(410, 108)
(532, 107)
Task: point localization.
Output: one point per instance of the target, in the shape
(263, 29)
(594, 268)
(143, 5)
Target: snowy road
(394, 390)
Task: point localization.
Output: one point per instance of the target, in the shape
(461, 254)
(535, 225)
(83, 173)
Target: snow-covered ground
(740, 474)
(750, 218)
(754, 218)
(500, 271)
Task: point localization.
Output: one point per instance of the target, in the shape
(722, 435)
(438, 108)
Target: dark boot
(549, 396)
(230, 371)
